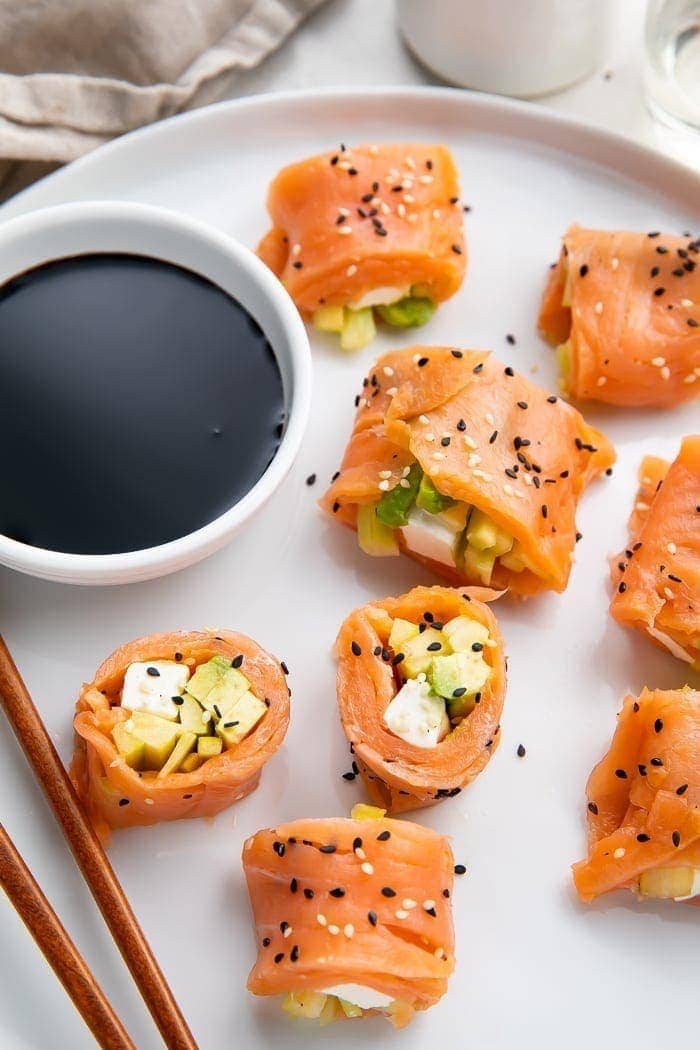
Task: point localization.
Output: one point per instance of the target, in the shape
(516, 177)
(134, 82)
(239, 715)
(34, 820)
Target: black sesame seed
(592, 808)
(337, 892)
(357, 651)
(383, 836)
(372, 916)
(676, 838)
(456, 249)
(658, 725)
(279, 957)
(309, 894)
(266, 942)
(461, 425)
(357, 843)
(349, 776)
(459, 691)
(178, 657)
(279, 848)
(434, 647)
(620, 774)
(654, 233)
(311, 479)
(444, 442)
(294, 954)
(520, 751)
(693, 323)
(460, 869)
(284, 667)
(422, 362)
(185, 796)
(388, 892)
(123, 801)
(659, 291)
(642, 769)
(329, 848)
(457, 353)
(583, 270)
(237, 660)
(153, 671)
(622, 587)
(478, 368)
(397, 659)
(493, 437)
(682, 789)
(509, 371)
(657, 762)
(661, 250)
(642, 837)
(543, 510)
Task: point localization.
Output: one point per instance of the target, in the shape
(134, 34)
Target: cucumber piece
(417, 653)
(359, 329)
(328, 319)
(485, 535)
(479, 564)
(209, 747)
(349, 1009)
(401, 632)
(411, 312)
(372, 535)
(191, 715)
(460, 673)
(461, 632)
(428, 497)
(179, 753)
(393, 508)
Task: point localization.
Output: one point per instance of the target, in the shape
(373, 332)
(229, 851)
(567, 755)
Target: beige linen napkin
(74, 73)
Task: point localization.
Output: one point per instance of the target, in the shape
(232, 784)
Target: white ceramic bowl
(111, 226)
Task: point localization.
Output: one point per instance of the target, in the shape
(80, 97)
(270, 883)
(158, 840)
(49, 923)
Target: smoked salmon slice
(111, 769)
(450, 642)
(350, 913)
(657, 576)
(644, 802)
(624, 310)
(467, 467)
(373, 230)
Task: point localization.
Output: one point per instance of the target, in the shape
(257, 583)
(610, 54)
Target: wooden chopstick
(64, 958)
(90, 856)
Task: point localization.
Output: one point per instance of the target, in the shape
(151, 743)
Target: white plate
(535, 968)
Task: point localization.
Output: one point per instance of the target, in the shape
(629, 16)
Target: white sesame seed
(367, 868)
(438, 455)
(429, 436)
(388, 370)
(384, 208)
(669, 593)
(384, 486)
(287, 931)
(665, 372)
(344, 229)
(344, 211)
(349, 930)
(469, 441)
(149, 802)
(426, 179)
(671, 548)
(407, 184)
(206, 716)
(400, 914)
(598, 307)
(416, 358)
(614, 262)
(436, 213)
(527, 479)
(401, 210)
(484, 475)
(601, 380)
(439, 953)
(658, 362)
(405, 472)
(474, 459)
(115, 762)
(296, 248)
(489, 419)
(428, 905)
(334, 930)
(392, 391)
(393, 174)
(686, 302)
(404, 483)
(375, 202)
(619, 852)
(351, 270)
(407, 903)
(345, 165)
(408, 199)
(508, 489)
(384, 473)
(360, 853)
(423, 419)
(410, 163)
(639, 505)
(690, 378)
(321, 920)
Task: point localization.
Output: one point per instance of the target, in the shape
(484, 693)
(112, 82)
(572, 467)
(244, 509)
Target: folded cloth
(74, 73)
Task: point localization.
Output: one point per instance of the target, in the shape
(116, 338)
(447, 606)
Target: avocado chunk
(372, 535)
(458, 674)
(394, 506)
(411, 312)
(192, 762)
(328, 319)
(231, 686)
(665, 883)
(419, 651)
(191, 715)
(209, 747)
(430, 499)
(129, 747)
(178, 754)
(478, 564)
(359, 329)
(485, 535)
(461, 706)
(361, 811)
(158, 736)
(402, 631)
(349, 1009)
(516, 560)
(304, 1004)
(563, 354)
(461, 632)
(205, 678)
(240, 719)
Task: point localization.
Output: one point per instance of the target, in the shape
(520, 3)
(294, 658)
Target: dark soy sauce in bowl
(139, 402)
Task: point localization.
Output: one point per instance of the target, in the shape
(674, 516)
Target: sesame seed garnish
(321, 920)
(620, 774)
(367, 868)
(656, 762)
(294, 954)
(351, 270)
(309, 894)
(335, 930)
(439, 953)
(293, 886)
(279, 957)
(279, 848)
(383, 836)
(328, 848)
(401, 914)
(388, 892)
(658, 725)
(676, 839)
(682, 789)
(642, 837)
(456, 249)
(372, 916)
(460, 869)
(357, 651)
(619, 852)
(345, 230)
(583, 270)
(520, 751)
(592, 808)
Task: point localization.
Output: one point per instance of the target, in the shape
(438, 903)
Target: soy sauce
(139, 402)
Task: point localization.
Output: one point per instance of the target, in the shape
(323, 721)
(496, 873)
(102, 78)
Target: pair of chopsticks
(90, 857)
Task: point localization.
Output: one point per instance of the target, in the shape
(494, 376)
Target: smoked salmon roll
(352, 917)
(624, 310)
(467, 467)
(644, 802)
(657, 576)
(176, 725)
(421, 683)
(366, 233)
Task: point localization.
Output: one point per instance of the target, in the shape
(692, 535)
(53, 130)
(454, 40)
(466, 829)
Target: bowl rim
(149, 562)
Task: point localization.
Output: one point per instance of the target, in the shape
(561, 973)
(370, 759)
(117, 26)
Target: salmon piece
(352, 902)
(400, 202)
(644, 796)
(401, 776)
(117, 796)
(487, 438)
(657, 576)
(625, 308)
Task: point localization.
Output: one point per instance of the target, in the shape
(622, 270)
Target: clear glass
(672, 69)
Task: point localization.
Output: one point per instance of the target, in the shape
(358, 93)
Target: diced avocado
(191, 715)
(349, 1009)
(178, 754)
(359, 329)
(430, 499)
(230, 688)
(129, 747)
(402, 631)
(563, 353)
(485, 535)
(456, 516)
(461, 632)
(457, 675)
(304, 1004)
(330, 1012)
(192, 762)
(478, 564)
(209, 746)
(421, 291)
(394, 506)
(461, 706)
(516, 560)
(665, 883)
(205, 678)
(158, 736)
(362, 811)
(411, 312)
(240, 719)
(372, 535)
(417, 653)
(329, 318)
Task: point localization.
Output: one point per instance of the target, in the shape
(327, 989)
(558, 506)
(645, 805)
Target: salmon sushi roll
(352, 917)
(467, 467)
(644, 802)
(365, 234)
(176, 725)
(623, 310)
(421, 683)
(657, 576)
